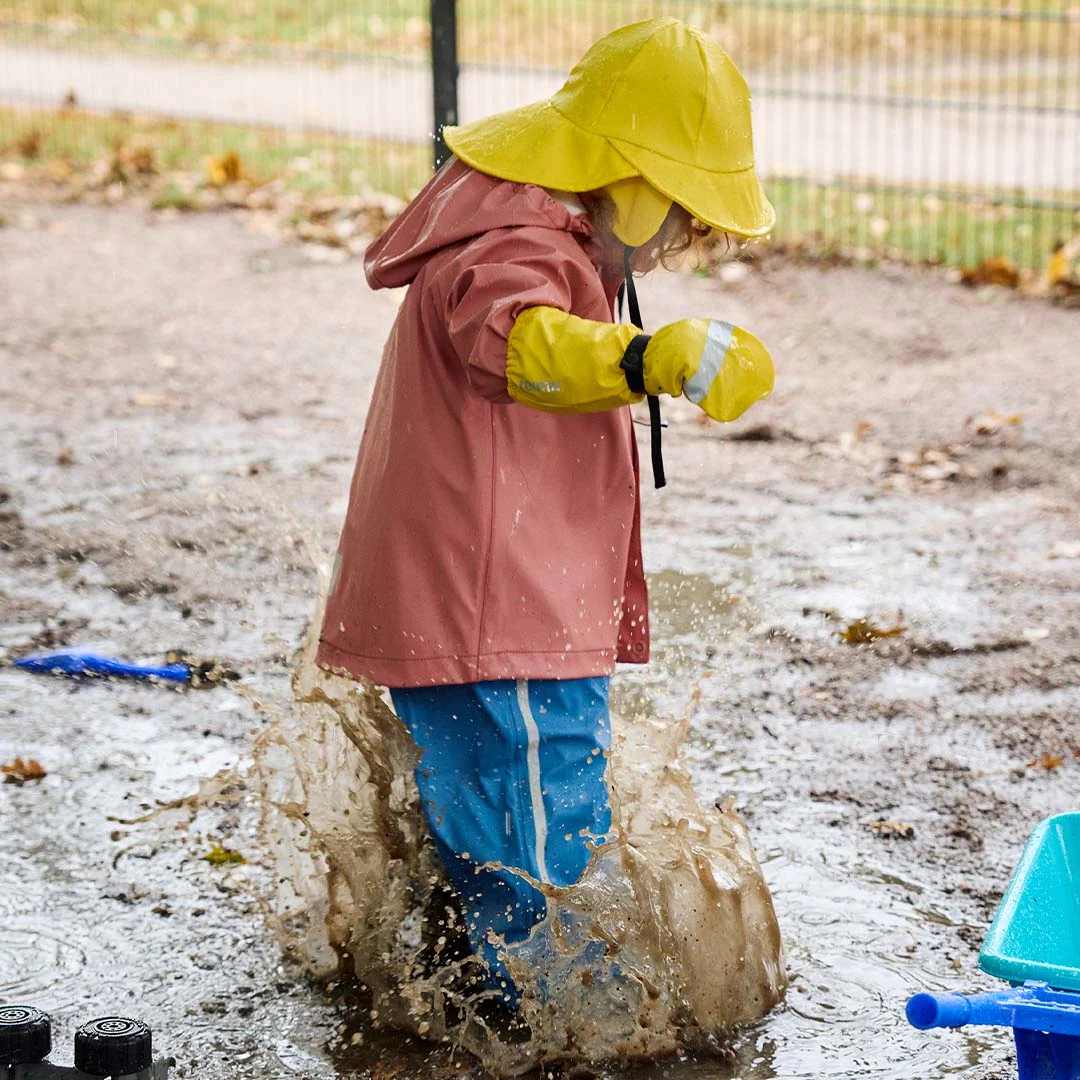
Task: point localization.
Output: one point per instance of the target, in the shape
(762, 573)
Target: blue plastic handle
(925, 1011)
(1031, 1007)
(78, 662)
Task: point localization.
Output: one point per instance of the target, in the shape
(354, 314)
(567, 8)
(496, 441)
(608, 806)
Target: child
(489, 571)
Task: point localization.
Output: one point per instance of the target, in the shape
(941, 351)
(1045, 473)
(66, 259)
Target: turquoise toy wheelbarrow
(1034, 943)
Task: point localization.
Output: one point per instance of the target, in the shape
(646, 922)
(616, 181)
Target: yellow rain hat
(655, 99)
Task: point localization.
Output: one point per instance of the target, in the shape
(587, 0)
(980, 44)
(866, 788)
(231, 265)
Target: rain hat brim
(537, 144)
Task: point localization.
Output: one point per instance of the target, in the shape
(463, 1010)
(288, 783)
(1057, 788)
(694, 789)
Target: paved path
(795, 134)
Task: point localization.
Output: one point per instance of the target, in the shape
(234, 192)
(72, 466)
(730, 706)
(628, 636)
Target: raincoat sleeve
(503, 275)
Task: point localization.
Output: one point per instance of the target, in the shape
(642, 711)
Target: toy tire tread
(25, 1035)
(113, 1046)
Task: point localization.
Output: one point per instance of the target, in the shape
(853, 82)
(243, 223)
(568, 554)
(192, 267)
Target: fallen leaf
(993, 271)
(899, 830)
(1058, 268)
(21, 772)
(221, 856)
(126, 166)
(29, 144)
(1047, 762)
(863, 632)
(224, 169)
(142, 160)
(992, 421)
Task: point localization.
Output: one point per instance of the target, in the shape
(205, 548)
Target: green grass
(946, 228)
(311, 163)
(398, 26)
(221, 21)
(949, 228)
(763, 35)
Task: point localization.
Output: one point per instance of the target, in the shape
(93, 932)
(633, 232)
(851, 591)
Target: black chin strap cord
(655, 423)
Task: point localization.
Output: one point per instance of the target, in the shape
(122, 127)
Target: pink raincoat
(483, 539)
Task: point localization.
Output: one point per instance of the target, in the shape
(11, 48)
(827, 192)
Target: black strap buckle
(633, 363)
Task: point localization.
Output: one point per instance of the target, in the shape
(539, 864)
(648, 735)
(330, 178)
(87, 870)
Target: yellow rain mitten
(721, 368)
(560, 363)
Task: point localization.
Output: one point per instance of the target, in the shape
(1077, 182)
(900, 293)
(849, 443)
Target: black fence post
(444, 71)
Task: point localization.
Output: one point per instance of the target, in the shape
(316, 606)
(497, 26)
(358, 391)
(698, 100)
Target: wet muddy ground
(182, 400)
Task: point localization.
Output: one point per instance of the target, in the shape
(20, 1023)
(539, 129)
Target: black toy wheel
(113, 1046)
(25, 1035)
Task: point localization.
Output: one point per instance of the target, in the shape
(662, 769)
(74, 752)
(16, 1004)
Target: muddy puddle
(859, 937)
(102, 911)
(155, 927)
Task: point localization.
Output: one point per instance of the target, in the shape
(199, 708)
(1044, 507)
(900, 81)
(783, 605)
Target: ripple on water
(38, 964)
(853, 953)
(26, 880)
(16, 899)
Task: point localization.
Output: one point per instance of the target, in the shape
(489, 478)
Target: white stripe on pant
(536, 793)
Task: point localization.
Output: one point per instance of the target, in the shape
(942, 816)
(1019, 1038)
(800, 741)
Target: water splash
(668, 940)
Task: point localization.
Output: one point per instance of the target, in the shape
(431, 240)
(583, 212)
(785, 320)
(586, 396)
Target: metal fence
(948, 132)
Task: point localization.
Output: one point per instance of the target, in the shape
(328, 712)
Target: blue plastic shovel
(82, 662)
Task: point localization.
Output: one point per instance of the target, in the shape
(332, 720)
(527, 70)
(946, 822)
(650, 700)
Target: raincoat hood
(456, 206)
(657, 100)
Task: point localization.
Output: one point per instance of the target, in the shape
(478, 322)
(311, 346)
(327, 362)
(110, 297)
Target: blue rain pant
(512, 772)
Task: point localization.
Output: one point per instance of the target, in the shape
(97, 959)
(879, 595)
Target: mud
(182, 402)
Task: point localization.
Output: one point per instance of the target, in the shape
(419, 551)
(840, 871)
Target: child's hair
(678, 234)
